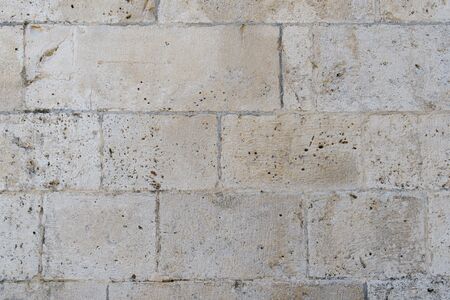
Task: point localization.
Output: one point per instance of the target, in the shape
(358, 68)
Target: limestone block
(415, 10)
(439, 232)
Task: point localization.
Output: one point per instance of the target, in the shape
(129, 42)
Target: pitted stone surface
(415, 10)
(20, 236)
(11, 59)
(159, 152)
(176, 68)
(368, 234)
(371, 68)
(91, 236)
(83, 11)
(230, 235)
(439, 232)
(49, 151)
(292, 151)
(270, 11)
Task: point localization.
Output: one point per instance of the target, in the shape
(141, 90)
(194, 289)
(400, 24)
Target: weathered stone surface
(232, 235)
(98, 11)
(439, 232)
(391, 151)
(278, 11)
(292, 151)
(159, 152)
(11, 60)
(236, 290)
(366, 234)
(434, 137)
(153, 68)
(44, 151)
(416, 288)
(20, 236)
(52, 291)
(415, 10)
(91, 236)
(379, 67)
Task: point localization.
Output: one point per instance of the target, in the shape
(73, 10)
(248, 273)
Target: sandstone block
(20, 236)
(53, 151)
(159, 152)
(105, 236)
(153, 68)
(271, 11)
(230, 235)
(292, 151)
(366, 234)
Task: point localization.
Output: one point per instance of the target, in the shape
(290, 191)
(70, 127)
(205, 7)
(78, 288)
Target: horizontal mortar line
(226, 190)
(213, 112)
(236, 23)
(206, 280)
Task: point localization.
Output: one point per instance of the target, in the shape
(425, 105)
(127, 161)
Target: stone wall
(252, 149)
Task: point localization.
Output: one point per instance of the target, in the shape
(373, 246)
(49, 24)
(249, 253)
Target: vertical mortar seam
(280, 62)
(219, 148)
(157, 2)
(157, 232)
(107, 292)
(101, 147)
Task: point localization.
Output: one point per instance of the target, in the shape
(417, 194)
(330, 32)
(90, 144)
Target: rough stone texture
(415, 10)
(11, 60)
(98, 11)
(20, 236)
(366, 234)
(391, 151)
(236, 290)
(52, 291)
(379, 67)
(217, 149)
(292, 151)
(272, 11)
(416, 288)
(45, 151)
(229, 235)
(159, 152)
(90, 236)
(439, 232)
(175, 68)
(434, 137)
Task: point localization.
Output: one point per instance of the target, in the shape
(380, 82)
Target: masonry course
(196, 149)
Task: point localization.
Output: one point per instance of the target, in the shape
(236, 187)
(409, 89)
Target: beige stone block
(232, 235)
(20, 236)
(81, 11)
(89, 236)
(49, 151)
(11, 60)
(159, 152)
(292, 151)
(150, 68)
(415, 10)
(271, 11)
(366, 234)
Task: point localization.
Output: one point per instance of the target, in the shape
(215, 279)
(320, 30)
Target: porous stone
(415, 10)
(439, 232)
(371, 68)
(20, 236)
(292, 151)
(232, 235)
(159, 152)
(11, 60)
(176, 68)
(392, 152)
(271, 11)
(49, 151)
(434, 138)
(437, 288)
(52, 290)
(99, 236)
(366, 234)
(99, 11)
(238, 289)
